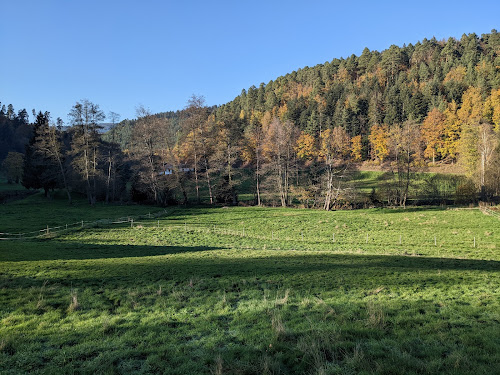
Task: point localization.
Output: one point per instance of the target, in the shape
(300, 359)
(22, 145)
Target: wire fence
(49, 231)
(357, 237)
(490, 212)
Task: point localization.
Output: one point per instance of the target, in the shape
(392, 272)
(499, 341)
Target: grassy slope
(190, 298)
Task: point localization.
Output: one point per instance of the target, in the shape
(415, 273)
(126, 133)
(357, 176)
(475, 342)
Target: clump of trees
(75, 159)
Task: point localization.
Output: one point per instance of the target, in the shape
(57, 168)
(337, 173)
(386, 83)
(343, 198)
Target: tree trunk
(257, 182)
(329, 187)
(196, 178)
(108, 180)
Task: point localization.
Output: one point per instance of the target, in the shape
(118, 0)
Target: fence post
(366, 237)
(48, 234)
(474, 241)
(158, 223)
(131, 223)
(333, 237)
(82, 223)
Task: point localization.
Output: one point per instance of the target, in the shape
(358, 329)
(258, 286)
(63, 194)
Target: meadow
(250, 290)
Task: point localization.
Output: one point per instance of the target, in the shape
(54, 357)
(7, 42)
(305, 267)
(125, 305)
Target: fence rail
(52, 231)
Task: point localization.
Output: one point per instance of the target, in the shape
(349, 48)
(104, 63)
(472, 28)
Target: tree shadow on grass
(83, 251)
(129, 266)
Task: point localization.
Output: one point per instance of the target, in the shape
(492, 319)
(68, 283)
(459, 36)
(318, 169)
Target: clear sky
(120, 54)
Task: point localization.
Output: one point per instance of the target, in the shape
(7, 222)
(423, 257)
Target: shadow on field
(134, 265)
(79, 251)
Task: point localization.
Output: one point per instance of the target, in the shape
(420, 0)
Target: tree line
(299, 137)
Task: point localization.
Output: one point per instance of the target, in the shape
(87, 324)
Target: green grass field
(248, 290)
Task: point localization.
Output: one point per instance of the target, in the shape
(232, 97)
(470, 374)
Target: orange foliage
(433, 130)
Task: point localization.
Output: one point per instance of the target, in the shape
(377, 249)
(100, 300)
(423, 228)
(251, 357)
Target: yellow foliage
(266, 119)
(380, 75)
(356, 148)
(379, 141)
(456, 74)
(433, 130)
(343, 75)
(282, 112)
(471, 110)
(335, 144)
(492, 109)
(452, 130)
(306, 147)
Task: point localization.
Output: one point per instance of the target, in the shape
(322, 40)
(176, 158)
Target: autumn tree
(223, 160)
(356, 148)
(379, 140)
(252, 148)
(433, 131)
(491, 110)
(306, 146)
(171, 156)
(145, 147)
(278, 150)
(452, 130)
(404, 146)
(476, 136)
(335, 151)
(195, 117)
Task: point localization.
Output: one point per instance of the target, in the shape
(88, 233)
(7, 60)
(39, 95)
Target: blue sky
(120, 54)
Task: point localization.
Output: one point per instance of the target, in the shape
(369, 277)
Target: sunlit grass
(253, 291)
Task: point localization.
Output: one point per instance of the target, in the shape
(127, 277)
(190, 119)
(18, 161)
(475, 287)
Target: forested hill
(383, 88)
(387, 87)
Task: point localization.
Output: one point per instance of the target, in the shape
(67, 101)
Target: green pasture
(249, 290)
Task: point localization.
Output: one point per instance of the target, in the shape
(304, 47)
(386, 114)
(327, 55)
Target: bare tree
(224, 155)
(405, 149)
(145, 145)
(50, 145)
(111, 159)
(194, 122)
(254, 139)
(171, 156)
(86, 118)
(278, 150)
(335, 152)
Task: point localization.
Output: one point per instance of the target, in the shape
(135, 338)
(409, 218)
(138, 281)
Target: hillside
(358, 92)
(387, 87)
